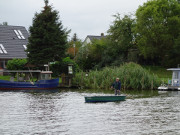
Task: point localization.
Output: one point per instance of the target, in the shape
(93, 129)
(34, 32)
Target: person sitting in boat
(116, 86)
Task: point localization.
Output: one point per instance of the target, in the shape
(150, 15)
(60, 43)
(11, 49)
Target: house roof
(12, 39)
(91, 37)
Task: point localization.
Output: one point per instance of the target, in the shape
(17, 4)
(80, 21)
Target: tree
(4, 23)
(48, 38)
(92, 55)
(60, 67)
(157, 28)
(16, 64)
(75, 38)
(73, 46)
(121, 35)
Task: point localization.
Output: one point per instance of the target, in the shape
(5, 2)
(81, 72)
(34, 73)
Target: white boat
(173, 84)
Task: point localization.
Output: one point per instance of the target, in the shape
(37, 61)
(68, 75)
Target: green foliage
(121, 33)
(122, 39)
(16, 64)
(132, 76)
(157, 28)
(174, 56)
(48, 38)
(62, 66)
(75, 40)
(159, 71)
(5, 78)
(71, 48)
(92, 56)
(113, 49)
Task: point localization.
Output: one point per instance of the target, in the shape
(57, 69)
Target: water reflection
(66, 112)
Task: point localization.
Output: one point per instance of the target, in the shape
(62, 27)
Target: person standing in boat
(116, 86)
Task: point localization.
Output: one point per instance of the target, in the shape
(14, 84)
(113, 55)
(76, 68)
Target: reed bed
(132, 76)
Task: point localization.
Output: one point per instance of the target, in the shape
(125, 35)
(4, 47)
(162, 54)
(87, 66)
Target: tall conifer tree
(48, 38)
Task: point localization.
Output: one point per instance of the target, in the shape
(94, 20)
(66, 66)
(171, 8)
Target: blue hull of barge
(41, 84)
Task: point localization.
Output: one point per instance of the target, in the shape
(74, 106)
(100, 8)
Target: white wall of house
(86, 41)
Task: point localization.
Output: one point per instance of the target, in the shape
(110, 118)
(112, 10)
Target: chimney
(102, 34)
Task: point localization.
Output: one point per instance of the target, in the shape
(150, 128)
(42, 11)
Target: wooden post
(17, 77)
(152, 85)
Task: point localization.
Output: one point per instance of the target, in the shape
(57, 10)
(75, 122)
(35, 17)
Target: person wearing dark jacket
(117, 86)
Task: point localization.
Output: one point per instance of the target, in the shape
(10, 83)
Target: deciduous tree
(158, 27)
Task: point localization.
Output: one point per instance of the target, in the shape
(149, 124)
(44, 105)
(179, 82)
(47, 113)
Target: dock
(169, 88)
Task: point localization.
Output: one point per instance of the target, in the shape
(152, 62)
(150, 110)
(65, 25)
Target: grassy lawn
(161, 72)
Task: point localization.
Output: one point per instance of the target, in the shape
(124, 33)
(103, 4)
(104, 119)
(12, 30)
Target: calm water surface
(66, 113)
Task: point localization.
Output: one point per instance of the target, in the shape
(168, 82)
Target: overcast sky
(84, 17)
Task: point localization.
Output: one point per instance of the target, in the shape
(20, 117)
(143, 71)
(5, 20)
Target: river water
(66, 113)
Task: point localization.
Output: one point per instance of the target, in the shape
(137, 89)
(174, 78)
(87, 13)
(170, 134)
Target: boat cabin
(29, 75)
(175, 76)
(45, 75)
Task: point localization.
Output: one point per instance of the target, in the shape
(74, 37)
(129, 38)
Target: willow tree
(48, 38)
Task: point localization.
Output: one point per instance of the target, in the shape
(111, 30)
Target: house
(90, 38)
(13, 41)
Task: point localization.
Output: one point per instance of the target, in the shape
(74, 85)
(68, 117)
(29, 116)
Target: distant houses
(90, 38)
(13, 41)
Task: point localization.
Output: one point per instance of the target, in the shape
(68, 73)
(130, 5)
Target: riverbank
(132, 74)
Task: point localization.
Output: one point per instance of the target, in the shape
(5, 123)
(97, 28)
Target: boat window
(176, 75)
(45, 76)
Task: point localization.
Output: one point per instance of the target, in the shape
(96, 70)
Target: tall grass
(163, 74)
(132, 76)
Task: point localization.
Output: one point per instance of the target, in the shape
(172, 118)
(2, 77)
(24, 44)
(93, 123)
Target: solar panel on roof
(3, 49)
(25, 47)
(17, 34)
(20, 33)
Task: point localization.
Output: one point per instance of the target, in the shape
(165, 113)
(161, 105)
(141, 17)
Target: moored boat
(105, 99)
(174, 84)
(25, 80)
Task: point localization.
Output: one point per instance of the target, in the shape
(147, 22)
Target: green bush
(16, 64)
(132, 76)
(62, 66)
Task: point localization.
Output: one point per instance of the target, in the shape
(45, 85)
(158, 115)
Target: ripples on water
(66, 113)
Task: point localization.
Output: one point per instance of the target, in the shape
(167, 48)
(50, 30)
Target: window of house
(3, 64)
(19, 34)
(2, 49)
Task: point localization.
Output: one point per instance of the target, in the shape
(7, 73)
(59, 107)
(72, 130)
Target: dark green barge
(95, 99)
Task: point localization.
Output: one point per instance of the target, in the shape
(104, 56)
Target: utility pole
(74, 45)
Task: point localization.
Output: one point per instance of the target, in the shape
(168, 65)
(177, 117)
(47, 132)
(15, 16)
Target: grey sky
(84, 17)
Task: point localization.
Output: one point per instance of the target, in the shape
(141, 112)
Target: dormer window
(2, 49)
(19, 34)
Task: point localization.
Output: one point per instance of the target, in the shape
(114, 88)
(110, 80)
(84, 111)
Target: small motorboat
(95, 99)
